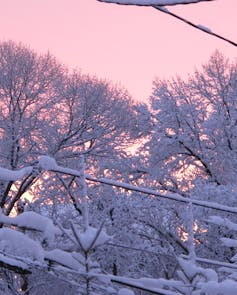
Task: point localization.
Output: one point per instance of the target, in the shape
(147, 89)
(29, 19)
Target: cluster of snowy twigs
(22, 253)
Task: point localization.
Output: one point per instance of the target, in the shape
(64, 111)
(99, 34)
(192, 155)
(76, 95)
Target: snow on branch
(153, 2)
(227, 287)
(205, 29)
(229, 243)
(33, 221)
(211, 261)
(64, 258)
(50, 164)
(13, 175)
(13, 264)
(158, 4)
(154, 286)
(17, 243)
(57, 260)
(196, 26)
(169, 196)
(223, 222)
(91, 237)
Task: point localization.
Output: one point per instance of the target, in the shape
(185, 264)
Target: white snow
(62, 257)
(210, 288)
(234, 258)
(227, 287)
(110, 290)
(13, 175)
(47, 163)
(191, 269)
(87, 238)
(222, 221)
(204, 28)
(229, 242)
(143, 284)
(159, 283)
(13, 262)
(125, 291)
(16, 243)
(32, 220)
(164, 9)
(152, 2)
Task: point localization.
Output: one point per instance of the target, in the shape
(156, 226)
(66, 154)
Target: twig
(209, 32)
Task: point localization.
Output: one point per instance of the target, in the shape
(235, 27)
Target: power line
(169, 196)
(198, 27)
(130, 187)
(161, 7)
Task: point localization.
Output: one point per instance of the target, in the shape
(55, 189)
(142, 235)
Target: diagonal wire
(207, 31)
(161, 7)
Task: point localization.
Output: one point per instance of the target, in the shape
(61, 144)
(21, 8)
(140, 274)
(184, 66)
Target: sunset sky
(125, 44)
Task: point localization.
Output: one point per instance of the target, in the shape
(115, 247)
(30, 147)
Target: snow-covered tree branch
(159, 5)
(153, 2)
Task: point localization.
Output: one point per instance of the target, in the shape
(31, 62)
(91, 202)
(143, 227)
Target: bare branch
(198, 27)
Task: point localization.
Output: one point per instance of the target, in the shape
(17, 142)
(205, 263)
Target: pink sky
(126, 44)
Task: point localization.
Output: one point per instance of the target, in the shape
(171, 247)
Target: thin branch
(198, 27)
(159, 6)
(66, 233)
(74, 230)
(96, 236)
(75, 201)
